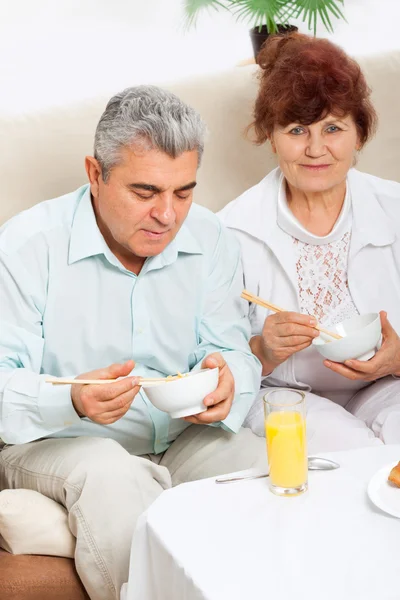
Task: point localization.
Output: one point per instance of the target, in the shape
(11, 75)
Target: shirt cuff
(247, 384)
(55, 405)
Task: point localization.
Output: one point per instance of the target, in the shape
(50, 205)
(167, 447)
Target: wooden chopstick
(257, 300)
(143, 380)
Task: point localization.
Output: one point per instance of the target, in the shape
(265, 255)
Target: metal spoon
(314, 464)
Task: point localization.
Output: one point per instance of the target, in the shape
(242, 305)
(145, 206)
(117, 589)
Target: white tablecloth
(203, 541)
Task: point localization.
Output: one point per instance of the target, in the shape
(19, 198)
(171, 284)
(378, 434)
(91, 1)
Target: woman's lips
(315, 167)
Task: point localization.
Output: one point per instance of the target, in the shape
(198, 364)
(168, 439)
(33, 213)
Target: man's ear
(93, 171)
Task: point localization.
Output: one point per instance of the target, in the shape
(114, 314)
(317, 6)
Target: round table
(203, 541)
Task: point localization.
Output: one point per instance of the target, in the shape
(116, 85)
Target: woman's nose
(316, 146)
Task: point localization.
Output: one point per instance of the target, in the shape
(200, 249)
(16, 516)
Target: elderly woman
(322, 240)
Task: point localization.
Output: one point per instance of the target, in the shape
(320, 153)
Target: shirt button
(140, 330)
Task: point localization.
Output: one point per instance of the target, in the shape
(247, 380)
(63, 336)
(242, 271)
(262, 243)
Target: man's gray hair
(146, 117)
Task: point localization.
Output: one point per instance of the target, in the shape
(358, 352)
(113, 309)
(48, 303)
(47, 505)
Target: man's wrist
(74, 404)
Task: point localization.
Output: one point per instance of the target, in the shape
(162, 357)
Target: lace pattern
(322, 280)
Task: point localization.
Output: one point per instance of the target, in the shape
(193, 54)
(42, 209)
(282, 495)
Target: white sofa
(41, 154)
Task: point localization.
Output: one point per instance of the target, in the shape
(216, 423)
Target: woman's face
(316, 157)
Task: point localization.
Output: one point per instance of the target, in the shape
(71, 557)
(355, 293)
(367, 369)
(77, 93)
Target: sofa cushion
(31, 523)
(39, 578)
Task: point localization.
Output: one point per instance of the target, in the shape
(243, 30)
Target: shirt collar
(86, 239)
(184, 243)
(255, 212)
(289, 223)
(371, 225)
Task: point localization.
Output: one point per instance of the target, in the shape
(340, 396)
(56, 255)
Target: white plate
(383, 493)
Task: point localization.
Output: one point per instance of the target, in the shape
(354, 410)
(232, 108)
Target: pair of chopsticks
(142, 380)
(257, 300)
(245, 294)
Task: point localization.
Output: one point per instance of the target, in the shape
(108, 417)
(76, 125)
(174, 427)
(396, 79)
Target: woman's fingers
(294, 340)
(294, 318)
(291, 329)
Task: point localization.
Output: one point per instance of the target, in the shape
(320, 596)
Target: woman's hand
(284, 334)
(385, 362)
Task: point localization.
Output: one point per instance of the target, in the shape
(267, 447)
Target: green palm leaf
(192, 8)
(259, 12)
(272, 12)
(313, 10)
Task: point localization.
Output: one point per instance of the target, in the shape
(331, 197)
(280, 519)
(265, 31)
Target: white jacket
(374, 254)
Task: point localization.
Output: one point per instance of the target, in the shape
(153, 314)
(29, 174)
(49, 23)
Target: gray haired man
(125, 272)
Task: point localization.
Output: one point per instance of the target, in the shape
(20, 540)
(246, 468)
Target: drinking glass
(285, 432)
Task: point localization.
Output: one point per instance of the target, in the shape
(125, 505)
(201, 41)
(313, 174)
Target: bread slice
(394, 475)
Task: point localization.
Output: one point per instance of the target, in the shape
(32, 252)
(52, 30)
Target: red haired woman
(323, 240)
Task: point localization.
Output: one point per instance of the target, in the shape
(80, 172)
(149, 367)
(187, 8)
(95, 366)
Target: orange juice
(287, 448)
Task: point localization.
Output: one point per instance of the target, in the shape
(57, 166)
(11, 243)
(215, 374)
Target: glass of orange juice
(285, 432)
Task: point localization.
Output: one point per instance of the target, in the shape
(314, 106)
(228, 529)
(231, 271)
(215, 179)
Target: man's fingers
(213, 360)
(114, 415)
(118, 370)
(118, 402)
(111, 372)
(223, 391)
(211, 415)
(113, 390)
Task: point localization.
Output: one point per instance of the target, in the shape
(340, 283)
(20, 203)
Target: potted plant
(271, 16)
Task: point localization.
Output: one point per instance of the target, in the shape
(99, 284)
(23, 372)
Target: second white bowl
(361, 339)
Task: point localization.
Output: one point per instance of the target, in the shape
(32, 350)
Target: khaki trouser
(105, 489)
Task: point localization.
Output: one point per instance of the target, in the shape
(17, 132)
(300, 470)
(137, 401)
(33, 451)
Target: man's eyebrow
(188, 186)
(147, 187)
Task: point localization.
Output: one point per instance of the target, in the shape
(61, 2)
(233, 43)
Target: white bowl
(183, 397)
(361, 339)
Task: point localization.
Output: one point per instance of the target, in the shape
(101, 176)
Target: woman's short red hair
(303, 79)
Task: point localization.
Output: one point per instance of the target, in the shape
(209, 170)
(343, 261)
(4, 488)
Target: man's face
(144, 202)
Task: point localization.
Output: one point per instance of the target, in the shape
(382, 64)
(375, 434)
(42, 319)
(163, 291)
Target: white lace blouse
(321, 267)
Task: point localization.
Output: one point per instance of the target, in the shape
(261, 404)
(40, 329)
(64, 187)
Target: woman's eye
(297, 130)
(333, 129)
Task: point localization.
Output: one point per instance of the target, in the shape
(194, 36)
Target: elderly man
(125, 270)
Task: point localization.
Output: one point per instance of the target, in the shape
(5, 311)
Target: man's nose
(164, 211)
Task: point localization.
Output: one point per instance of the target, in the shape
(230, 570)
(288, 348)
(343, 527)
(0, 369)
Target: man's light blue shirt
(68, 306)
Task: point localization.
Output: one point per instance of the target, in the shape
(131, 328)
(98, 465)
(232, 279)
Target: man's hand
(108, 402)
(385, 362)
(220, 401)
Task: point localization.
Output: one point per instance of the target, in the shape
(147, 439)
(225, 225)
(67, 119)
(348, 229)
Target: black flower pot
(259, 36)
